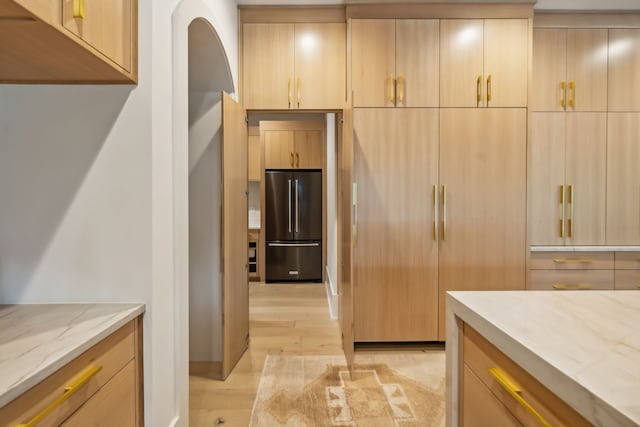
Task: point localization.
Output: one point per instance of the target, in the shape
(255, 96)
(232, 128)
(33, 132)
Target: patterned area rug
(386, 390)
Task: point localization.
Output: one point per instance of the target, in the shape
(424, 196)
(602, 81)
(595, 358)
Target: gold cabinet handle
(444, 212)
(572, 101)
(563, 100)
(400, 89)
(570, 200)
(562, 210)
(516, 392)
(291, 158)
(69, 390)
(488, 89)
(563, 287)
(298, 91)
(289, 91)
(478, 91)
(78, 9)
(391, 94)
(572, 260)
(435, 212)
(297, 160)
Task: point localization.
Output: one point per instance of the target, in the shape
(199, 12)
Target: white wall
(332, 219)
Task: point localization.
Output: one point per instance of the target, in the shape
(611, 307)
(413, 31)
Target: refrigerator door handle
(289, 210)
(297, 209)
(294, 245)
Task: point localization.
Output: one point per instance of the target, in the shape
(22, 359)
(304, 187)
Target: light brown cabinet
(568, 178)
(294, 66)
(569, 69)
(395, 62)
(293, 145)
(68, 41)
(484, 63)
(624, 68)
(254, 154)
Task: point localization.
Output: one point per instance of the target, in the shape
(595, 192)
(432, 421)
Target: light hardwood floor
(289, 319)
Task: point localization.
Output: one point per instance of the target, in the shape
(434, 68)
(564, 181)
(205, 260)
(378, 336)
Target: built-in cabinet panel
(278, 149)
(395, 257)
(254, 162)
(623, 179)
(484, 63)
(549, 72)
(482, 245)
(624, 69)
(293, 145)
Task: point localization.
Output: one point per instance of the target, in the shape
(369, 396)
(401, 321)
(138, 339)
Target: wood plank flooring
(287, 319)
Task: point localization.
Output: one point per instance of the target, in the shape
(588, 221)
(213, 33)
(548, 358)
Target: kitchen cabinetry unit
(483, 228)
(293, 145)
(627, 273)
(254, 261)
(623, 179)
(293, 66)
(484, 63)
(102, 386)
(254, 154)
(395, 62)
(569, 69)
(68, 41)
(395, 257)
(568, 178)
(624, 68)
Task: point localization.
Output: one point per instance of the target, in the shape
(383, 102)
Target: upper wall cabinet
(68, 41)
(624, 69)
(395, 62)
(569, 69)
(294, 66)
(483, 63)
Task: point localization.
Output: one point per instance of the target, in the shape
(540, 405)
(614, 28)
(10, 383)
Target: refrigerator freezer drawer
(294, 261)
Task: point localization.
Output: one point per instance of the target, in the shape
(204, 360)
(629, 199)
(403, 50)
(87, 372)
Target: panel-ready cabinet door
(278, 149)
(320, 58)
(587, 69)
(268, 66)
(623, 179)
(395, 257)
(373, 62)
(585, 177)
(308, 148)
(549, 69)
(624, 69)
(483, 186)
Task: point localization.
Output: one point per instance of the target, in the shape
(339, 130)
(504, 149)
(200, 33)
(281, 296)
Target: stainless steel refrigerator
(293, 228)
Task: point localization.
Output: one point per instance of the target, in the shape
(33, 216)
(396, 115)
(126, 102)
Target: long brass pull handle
(435, 212)
(291, 158)
(572, 101)
(69, 390)
(562, 209)
(298, 91)
(570, 221)
(391, 95)
(297, 160)
(400, 89)
(571, 260)
(478, 91)
(563, 287)
(78, 9)
(444, 212)
(515, 391)
(563, 100)
(488, 89)
(289, 91)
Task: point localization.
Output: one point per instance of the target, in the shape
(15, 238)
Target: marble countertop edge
(585, 248)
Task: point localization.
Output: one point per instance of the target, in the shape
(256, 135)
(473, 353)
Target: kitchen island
(576, 352)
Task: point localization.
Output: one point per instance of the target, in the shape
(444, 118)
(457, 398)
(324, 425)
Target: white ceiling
(541, 5)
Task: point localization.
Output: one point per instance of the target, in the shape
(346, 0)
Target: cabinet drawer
(480, 405)
(571, 261)
(546, 280)
(627, 280)
(627, 261)
(111, 354)
(480, 356)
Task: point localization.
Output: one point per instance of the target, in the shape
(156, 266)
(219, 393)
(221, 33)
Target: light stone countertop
(38, 339)
(585, 248)
(583, 346)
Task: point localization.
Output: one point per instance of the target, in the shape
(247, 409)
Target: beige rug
(392, 389)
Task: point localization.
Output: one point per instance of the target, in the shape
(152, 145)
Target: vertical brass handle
(298, 91)
(78, 9)
(488, 89)
(562, 209)
(391, 94)
(289, 91)
(400, 89)
(291, 158)
(444, 212)
(563, 100)
(571, 201)
(435, 212)
(297, 160)
(572, 101)
(478, 91)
